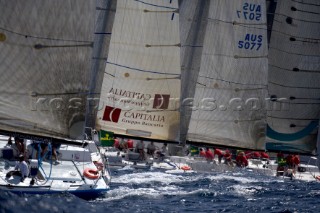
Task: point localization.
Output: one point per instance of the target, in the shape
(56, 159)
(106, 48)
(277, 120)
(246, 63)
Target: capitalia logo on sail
(111, 114)
(161, 101)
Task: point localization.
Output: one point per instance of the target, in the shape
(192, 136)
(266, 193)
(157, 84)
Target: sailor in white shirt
(21, 169)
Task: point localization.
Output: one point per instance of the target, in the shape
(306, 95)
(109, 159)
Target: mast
(104, 22)
(193, 24)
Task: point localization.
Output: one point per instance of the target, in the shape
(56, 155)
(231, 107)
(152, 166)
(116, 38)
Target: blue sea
(156, 191)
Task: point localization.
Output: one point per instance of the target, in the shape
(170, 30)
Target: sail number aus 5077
(251, 41)
(250, 12)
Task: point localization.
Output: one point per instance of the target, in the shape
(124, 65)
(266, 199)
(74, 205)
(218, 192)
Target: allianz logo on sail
(163, 102)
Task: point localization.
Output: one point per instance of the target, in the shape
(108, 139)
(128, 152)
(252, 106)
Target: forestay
(228, 106)
(46, 51)
(294, 77)
(141, 85)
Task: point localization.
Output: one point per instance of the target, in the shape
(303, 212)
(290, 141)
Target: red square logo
(161, 101)
(111, 114)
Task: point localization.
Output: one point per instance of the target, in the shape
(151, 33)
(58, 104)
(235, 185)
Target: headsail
(142, 78)
(232, 82)
(193, 24)
(46, 51)
(294, 77)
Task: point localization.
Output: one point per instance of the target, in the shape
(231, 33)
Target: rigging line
(305, 41)
(174, 78)
(34, 94)
(160, 11)
(306, 3)
(110, 74)
(193, 46)
(302, 20)
(235, 23)
(295, 87)
(38, 37)
(297, 103)
(230, 121)
(239, 57)
(41, 46)
(292, 53)
(102, 33)
(235, 89)
(107, 9)
(252, 27)
(304, 11)
(232, 81)
(163, 45)
(154, 5)
(140, 70)
(298, 119)
(296, 69)
(289, 35)
(234, 56)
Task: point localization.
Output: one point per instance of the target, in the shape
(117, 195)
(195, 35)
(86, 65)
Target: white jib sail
(229, 99)
(141, 85)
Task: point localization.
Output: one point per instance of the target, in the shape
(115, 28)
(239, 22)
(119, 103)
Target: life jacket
(296, 160)
(227, 156)
(218, 152)
(264, 155)
(130, 144)
(256, 155)
(209, 155)
(116, 143)
(242, 160)
(202, 154)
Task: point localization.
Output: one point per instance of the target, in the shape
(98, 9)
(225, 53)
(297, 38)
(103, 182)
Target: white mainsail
(46, 52)
(141, 85)
(294, 77)
(232, 82)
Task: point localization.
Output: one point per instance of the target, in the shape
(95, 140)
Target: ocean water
(157, 191)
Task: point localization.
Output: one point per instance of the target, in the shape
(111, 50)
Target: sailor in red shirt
(209, 154)
(116, 143)
(256, 155)
(228, 158)
(130, 144)
(296, 160)
(289, 160)
(264, 155)
(241, 160)
(220, 154)
(202, 153)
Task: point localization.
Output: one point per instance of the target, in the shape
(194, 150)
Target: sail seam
(296, 87)
(154, 5)
(304, 3)
(290, 70)
(140, 70)
(292, 53)
(44, 38)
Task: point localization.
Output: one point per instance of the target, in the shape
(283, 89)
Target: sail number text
(250, 12)
(251, 41)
